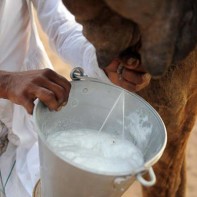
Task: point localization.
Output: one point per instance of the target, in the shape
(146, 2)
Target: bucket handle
(145, 182)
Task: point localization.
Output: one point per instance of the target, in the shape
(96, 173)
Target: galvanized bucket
(89, 104)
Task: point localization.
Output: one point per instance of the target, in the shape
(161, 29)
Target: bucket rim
(147, 165)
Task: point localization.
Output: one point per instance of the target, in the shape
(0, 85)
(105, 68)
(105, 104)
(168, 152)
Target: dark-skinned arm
(23, 88)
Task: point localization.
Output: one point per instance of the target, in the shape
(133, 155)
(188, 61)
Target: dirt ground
(135, 190)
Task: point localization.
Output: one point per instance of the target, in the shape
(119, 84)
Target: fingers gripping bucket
(129, 119)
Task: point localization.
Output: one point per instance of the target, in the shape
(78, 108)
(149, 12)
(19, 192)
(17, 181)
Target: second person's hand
(129, 75)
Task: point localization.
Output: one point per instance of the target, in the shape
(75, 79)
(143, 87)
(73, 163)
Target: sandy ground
(135, 190)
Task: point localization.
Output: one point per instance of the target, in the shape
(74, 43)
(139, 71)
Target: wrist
(4, 83)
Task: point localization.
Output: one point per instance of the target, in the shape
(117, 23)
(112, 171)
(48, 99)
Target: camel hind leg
(183, 180)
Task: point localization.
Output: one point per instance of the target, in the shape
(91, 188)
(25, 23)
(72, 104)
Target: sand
(135, 190)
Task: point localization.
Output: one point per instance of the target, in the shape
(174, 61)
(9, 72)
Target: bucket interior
(108, 109)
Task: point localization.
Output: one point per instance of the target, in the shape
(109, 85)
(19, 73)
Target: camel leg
(171, 168)
(182, 187)
(169, 181)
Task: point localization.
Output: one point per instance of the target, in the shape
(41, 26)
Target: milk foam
(100, 152)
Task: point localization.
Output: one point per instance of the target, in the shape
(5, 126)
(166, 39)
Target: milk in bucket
(100, 152)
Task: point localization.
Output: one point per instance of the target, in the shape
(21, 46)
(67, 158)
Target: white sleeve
(65, 36)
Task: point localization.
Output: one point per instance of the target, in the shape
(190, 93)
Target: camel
(163, 35)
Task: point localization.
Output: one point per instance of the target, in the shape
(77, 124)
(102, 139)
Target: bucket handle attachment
(78, 74)
(145, 182)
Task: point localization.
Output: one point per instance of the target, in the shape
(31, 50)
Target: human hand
(23, 88)
(129, 74)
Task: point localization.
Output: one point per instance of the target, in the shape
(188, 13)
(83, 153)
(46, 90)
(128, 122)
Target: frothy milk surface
(97, 151)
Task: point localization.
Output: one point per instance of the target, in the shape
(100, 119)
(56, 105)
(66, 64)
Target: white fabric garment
(20, 50)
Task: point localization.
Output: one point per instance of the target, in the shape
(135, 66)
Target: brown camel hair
(168, 37)
(174, 96)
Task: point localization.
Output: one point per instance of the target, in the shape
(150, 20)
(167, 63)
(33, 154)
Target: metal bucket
(89, 104)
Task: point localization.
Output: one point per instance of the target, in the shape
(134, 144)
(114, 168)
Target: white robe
(20, 50)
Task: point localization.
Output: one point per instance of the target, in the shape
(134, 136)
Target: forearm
(61, 28)
(4, 78)
(66, 37)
